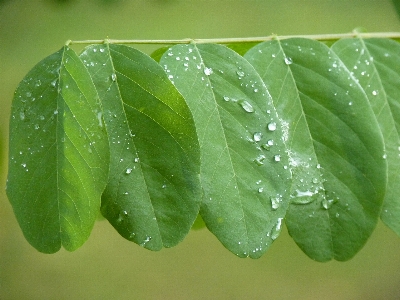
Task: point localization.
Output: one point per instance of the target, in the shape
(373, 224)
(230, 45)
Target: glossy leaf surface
(335, 146)
(152, 197)
(58, 153)
(244, 167)
(375, 63)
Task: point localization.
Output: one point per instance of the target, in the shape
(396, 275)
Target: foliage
(287, 130)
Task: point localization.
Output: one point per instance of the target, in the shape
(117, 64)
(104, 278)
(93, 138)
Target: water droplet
(113, 77)
(275, 203)
(288, 61)
(22, 115)
(255, 90)
(384, 156)
(277, 157)
(337, 215)
(147, 239)
(375, 93)
(240, 73)
(271, 126)
(327, 203)
(226, 98)
(260, 190)
(208, 71)
(53, 83)
(164, 186)
(260, 160)
(277, 229)
(136, 159)
(128, 171)
(257, 136)
(246, 106)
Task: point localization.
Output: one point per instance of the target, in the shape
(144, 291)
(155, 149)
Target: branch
(319, 37)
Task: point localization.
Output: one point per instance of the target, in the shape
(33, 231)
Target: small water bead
(288, 61)
(271, 126)
(240, 74)
(257, 136)
(208, 71)
(22, 115)
(113, 77)
(375, 93)
(260, 190)
(260, 160)
(226, 98)
(136, 159)
(277, 229)
(246, 106)
(277, 157)
(128, 171)
(275, 203)
(327, 203)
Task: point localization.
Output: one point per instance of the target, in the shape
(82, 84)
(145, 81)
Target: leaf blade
(233, 125)
(373, 62)
(152, 195)
(55, 134)
(334, 223)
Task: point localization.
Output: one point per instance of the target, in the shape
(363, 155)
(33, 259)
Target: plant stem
(320, 37)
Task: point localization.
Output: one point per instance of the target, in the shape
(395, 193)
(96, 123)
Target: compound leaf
(58, 153)
(334, 143)
(153, 193)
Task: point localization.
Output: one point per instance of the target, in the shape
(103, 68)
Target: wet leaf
(152, 197)
(334, 143)
(375, 64)
(58, 155)
(244, 166)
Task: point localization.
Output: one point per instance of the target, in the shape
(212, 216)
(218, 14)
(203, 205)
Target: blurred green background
(109, 267)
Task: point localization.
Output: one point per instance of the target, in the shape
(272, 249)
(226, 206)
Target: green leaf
(244, 171)
(158, 53)
(375, 64)
(153, 194)
(334, 143)
(58, 153)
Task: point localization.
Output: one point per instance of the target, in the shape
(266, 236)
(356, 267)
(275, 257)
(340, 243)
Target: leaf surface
(334, 143)
(244, 166)
(58, 153)
(152, 197)
(375, 64)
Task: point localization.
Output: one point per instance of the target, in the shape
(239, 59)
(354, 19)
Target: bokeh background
(109, 267)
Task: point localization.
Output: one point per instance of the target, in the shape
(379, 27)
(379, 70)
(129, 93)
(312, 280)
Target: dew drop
(22, 115)
(113, 77)
(271, 126)
(226, 98)
(327, 203)
(128, 171)
(288, 61)
(257, 136)
(208, 71)
(375, 93)
(260, 190)
(240, 73)
(246, 106)
(260, 160)
(277, 229)
(275, 203)
(277, 157)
